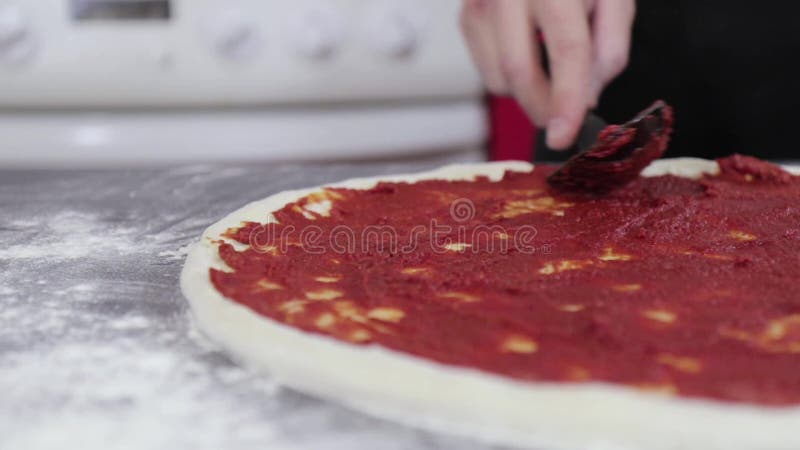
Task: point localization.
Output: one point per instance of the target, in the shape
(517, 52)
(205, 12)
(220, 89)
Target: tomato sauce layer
(688, 287)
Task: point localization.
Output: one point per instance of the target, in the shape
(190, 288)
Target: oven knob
(395, 34)
(16, 41)
(317, 33)
(234, 36)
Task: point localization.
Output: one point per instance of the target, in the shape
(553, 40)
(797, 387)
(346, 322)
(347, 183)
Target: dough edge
(461, 401)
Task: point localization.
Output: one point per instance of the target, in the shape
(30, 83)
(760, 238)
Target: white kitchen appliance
(96, 82)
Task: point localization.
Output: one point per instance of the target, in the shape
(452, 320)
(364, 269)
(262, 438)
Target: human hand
(587, 44)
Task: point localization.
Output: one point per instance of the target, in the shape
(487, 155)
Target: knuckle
(477, 8)
(567, 103)
(515, 69)
(472, 12)
(571, 47)
(554, 11)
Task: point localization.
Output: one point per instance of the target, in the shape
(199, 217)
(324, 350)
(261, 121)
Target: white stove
(97, 82)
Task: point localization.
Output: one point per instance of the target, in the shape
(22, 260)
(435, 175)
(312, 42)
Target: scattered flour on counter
(102, 379)
(74, 235)
(8, 314)
(121, 395)
(129, 323)
(69, 236)
(22, 224)
(77, 288)
(7, 290)
(176, 255)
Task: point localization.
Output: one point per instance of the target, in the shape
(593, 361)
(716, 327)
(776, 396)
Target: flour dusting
(176, 255)
(69, 235)
(97, 350)
(7, 290)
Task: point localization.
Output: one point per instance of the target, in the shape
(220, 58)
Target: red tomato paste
(685, 286)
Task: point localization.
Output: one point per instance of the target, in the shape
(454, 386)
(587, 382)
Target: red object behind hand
(512, 134)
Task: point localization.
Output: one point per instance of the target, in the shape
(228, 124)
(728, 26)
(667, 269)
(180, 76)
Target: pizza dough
(464, 401)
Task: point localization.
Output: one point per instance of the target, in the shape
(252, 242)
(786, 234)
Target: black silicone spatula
(587, 136)
(618, 153)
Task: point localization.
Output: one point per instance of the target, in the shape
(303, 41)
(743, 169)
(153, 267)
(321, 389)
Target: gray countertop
(97, 347)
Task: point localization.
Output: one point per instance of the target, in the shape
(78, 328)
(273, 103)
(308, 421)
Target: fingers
(613, 20)
(519, 59)
(478, 29)
(566, 29)
(583, 57)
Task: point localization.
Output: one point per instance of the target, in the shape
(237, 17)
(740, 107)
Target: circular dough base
(463, 401)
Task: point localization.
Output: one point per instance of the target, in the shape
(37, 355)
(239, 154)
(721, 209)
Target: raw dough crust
(462, 401)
